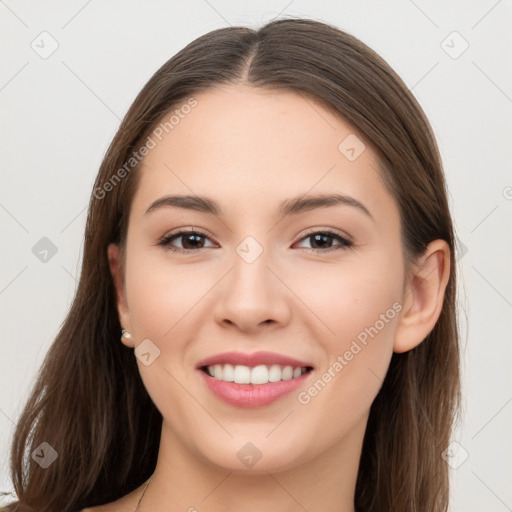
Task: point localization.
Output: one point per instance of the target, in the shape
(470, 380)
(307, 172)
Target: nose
(253, 296)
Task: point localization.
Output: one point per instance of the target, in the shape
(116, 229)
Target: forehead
(250, 147)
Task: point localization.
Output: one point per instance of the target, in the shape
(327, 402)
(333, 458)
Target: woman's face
(252, 279)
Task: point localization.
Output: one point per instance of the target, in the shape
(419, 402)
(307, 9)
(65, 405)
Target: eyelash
(345, 243)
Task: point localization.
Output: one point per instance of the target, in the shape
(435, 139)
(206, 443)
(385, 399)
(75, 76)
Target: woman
(265, 317)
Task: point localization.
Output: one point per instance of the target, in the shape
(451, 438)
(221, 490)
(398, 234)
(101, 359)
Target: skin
(249, 149)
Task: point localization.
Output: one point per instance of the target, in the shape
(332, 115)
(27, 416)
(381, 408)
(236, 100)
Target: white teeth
(217, 371)
(274, 374)
(261, 374)
(287, 373)
(228, 373)
(242, 374)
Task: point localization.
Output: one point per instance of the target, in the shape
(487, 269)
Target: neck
(182, 481)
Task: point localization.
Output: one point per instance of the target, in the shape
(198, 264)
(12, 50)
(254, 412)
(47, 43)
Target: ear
(423, 296)
(115, 261)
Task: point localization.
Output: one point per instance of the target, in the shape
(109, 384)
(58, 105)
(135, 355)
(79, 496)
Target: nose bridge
(251, 277)
(251, 294)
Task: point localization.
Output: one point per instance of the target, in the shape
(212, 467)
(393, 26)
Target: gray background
(60, 112)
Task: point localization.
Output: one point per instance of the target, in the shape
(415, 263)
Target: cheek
(359, 309)
(362, 307)
(159, 300)
(349, 297)
(160, 294)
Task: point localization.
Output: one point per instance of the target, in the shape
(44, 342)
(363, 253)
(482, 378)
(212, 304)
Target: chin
(255, 454)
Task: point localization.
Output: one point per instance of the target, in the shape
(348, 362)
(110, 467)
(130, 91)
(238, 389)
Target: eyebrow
(292, 206)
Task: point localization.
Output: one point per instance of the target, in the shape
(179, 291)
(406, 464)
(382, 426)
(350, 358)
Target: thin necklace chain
(140, 499)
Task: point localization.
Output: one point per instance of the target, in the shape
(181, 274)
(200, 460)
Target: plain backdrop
(69, 71)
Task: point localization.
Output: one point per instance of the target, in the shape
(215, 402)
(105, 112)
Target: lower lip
(249, 395)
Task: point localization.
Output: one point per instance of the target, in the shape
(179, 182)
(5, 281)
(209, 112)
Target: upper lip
(253, 359)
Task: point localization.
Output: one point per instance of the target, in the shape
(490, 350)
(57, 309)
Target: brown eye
(321, 241)
(191, 241)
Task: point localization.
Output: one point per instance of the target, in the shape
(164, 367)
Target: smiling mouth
(257, 375)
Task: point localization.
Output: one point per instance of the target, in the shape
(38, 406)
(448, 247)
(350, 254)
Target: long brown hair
(89, 403)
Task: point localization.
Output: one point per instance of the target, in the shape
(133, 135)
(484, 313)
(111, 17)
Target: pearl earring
(125, 335)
